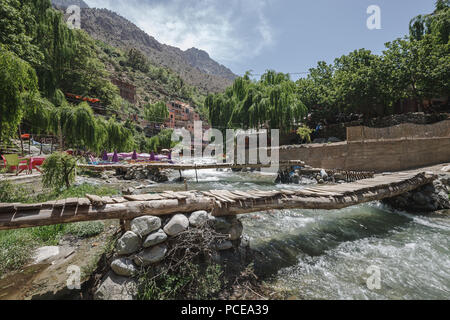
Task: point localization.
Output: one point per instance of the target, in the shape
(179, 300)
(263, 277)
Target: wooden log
(215, 202)
(125, 211)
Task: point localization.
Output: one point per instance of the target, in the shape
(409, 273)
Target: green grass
(191, 282)
(16, 246)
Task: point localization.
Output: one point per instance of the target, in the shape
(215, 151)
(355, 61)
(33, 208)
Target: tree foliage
(413, 68)
(157, 112)
(272, 101)
(58, 170)
(18, 83)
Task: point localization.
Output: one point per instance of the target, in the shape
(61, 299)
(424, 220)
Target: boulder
(155, 238)
(323, 174)
(124, 267)
(143, 226)
(45, 254)
(222, 225)
(334, 140)
(198, 218)
(225, 245)
(116, 287)
(151, 256)
(129, 243)
(177, 225)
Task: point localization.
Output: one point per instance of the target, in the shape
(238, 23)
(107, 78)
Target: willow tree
(249, 104)
(436, 23)
(157, 112)
(38, 114)
(18, 82)
(79, 126)
(118, 137)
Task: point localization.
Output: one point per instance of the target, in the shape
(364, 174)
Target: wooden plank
(96, 201)
(71, 202)
(143, 197)
(84, 202)
(120, 200)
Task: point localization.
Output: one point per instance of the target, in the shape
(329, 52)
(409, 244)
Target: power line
(289, 73)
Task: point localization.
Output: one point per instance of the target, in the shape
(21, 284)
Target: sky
(290, 36)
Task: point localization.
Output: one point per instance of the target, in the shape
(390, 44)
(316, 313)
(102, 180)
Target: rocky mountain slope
(63, 4)
(193, 66)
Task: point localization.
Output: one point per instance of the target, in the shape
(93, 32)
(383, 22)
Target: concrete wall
(379, 156)
(409, 130)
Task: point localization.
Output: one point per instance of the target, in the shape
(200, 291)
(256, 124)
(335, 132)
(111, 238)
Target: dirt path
(48, 279)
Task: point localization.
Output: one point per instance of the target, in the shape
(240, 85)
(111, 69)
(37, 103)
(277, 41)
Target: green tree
(118, 137)
(419, 68)
(79, 126)
(436, 23)
(58, 171)
(157, 112)
(359, 83)
(272, 100)
(18, 83)
(137, 60)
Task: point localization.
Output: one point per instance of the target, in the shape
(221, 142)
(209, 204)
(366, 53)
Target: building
(181, 115)
(127, 90)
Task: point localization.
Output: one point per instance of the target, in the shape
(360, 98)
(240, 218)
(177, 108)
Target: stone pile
(139, 173)
(298, 177)
(429, 198)
(146, 244)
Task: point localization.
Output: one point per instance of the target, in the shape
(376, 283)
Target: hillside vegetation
(41, 58)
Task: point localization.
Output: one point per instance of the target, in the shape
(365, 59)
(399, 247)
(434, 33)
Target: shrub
(305, 133)
(59, 171)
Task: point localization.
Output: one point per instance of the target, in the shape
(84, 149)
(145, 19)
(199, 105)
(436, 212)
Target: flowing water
(332, 254)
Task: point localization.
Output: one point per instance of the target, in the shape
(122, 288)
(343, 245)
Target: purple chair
(152, 156)
(105, 156)
(115, 157)
(134, 156)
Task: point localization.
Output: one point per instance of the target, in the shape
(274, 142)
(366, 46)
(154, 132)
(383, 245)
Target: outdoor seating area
(130, 158)
(13, 163)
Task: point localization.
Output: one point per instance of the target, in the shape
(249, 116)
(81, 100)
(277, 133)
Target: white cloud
(231, 30)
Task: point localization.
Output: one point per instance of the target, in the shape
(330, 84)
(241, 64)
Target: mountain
(200, 59)
(64, 4)
(194, 66)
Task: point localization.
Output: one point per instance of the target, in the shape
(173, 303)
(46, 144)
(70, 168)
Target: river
(333, 254)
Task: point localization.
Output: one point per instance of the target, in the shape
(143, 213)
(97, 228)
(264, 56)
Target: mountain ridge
(193, 65)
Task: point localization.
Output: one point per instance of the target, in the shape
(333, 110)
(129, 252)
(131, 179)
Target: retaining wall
(374, 155)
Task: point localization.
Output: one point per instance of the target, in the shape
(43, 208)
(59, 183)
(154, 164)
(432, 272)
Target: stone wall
(429, 198)
(340, 130)
(406, 130)
(147, 243)
(378, 156)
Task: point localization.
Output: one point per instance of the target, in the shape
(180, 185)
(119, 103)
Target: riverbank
(294, 251)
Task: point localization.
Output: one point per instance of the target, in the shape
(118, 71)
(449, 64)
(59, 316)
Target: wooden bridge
(188, 166)
(219, 202)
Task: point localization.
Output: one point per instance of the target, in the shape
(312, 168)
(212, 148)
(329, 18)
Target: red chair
(14, 163)
(35, 163)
